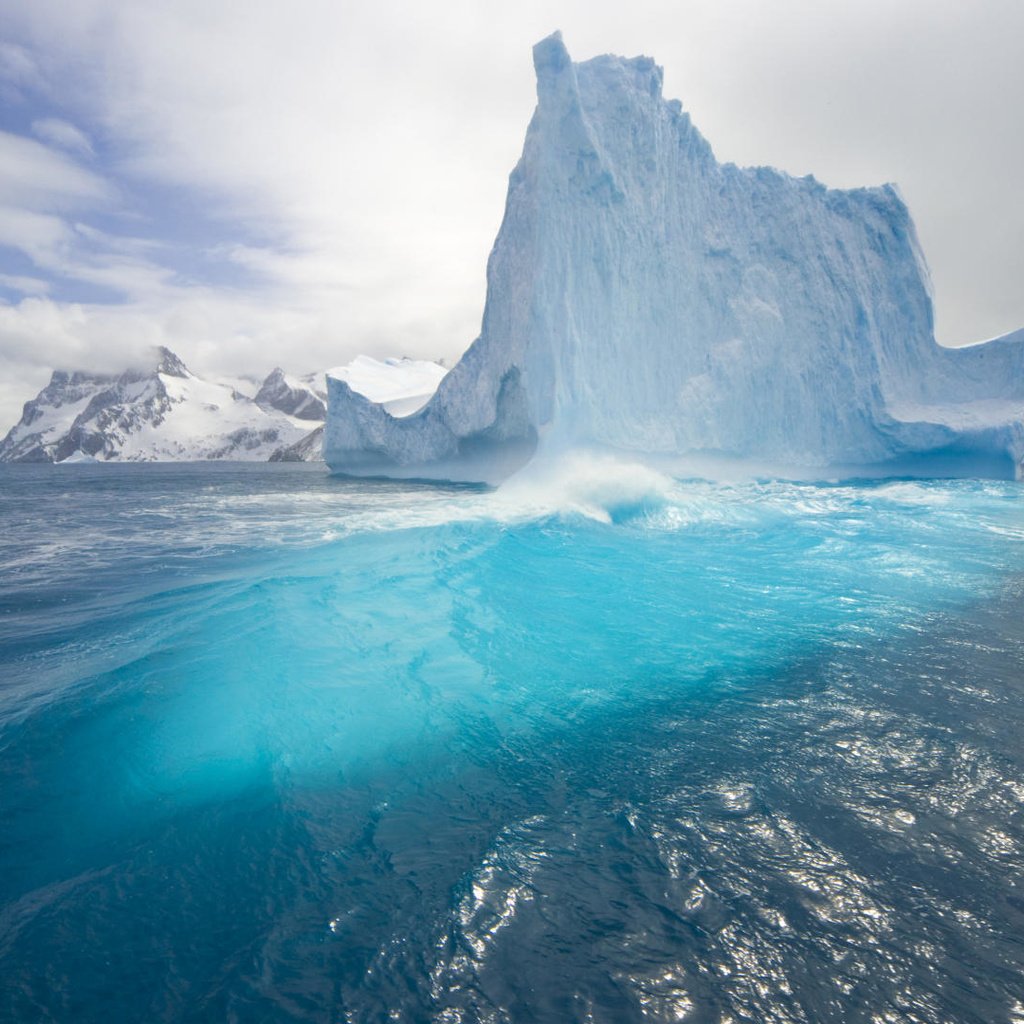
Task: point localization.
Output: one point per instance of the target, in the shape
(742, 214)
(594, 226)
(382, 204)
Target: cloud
(42, 237)
(17, 68)
(37, 177)
(24, 284)
(63, 134)
(76, 253)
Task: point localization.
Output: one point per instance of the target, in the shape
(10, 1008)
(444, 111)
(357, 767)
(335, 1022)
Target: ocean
(606, 746)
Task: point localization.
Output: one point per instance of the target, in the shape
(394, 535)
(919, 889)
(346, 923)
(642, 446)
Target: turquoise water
(604, 746)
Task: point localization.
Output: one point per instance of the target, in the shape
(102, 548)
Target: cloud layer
(293, 184)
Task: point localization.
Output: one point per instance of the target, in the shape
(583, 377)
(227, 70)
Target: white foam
(594, 485)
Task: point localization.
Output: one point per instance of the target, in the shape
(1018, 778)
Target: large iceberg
(643, 297)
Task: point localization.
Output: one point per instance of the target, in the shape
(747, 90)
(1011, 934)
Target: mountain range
(162, 411)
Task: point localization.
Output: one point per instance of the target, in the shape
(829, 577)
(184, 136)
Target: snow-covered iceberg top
(402, 386)
(643, 297)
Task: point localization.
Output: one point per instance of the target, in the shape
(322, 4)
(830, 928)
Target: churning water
(609, 747)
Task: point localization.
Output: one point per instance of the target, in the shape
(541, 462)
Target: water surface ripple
(281, 747)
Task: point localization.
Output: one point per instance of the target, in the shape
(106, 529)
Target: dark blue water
(281, 747)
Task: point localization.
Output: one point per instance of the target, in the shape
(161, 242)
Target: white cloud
(17, 68)
(63, 134)
(24, 284)
(39, 178)
(43, 237)
(66, 251)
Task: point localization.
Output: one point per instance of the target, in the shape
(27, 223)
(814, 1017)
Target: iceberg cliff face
(643, 297)
(398, 387)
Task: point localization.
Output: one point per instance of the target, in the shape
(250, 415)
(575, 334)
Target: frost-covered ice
(401, 386)
(644, 297)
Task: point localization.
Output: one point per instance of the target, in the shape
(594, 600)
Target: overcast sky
(264, 183)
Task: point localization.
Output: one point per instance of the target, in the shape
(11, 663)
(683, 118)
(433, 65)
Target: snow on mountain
(644, 297)
(164, 412)
(299, 398)
(168, 413)
(244, 384)
(306, 449)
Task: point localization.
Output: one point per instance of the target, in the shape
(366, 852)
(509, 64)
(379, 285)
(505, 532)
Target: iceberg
(400, 386)
(644, 298)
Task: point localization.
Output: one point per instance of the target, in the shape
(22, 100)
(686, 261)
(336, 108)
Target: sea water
(603, 746)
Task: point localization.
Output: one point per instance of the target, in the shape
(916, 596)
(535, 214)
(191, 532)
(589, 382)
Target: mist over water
(602, 745)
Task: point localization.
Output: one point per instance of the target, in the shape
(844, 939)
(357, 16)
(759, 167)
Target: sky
(262, 183)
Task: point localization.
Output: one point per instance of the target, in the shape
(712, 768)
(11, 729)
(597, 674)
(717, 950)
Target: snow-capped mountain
(306, 449)
(642, 296)
(167, 413)
(163, 412)
(304, 398)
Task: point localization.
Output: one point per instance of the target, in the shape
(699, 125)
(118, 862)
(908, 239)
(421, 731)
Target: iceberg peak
(550, 57)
